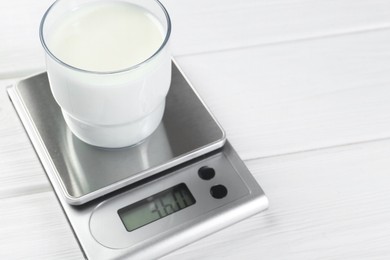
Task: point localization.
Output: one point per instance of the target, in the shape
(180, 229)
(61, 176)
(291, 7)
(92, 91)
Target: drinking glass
(109, 108)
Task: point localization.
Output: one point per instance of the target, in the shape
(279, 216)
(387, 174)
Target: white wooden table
(302, 88)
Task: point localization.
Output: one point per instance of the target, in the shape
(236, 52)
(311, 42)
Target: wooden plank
(298, 96)
(328, 204)
(20, 49)
(34, 227)
(203, 26)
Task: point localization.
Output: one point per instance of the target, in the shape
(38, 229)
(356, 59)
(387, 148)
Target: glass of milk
(109, 67)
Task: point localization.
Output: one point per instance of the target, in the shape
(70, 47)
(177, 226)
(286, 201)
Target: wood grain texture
(298, 96)
(34, 227)
(203, 26)
(20, 50)
(328, 204)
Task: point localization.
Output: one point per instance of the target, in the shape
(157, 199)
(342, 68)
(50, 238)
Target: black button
(218, 191)
(206, 173)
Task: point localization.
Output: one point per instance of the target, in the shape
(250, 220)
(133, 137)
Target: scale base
(195, 141)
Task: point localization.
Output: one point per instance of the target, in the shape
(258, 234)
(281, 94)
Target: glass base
(115, 136)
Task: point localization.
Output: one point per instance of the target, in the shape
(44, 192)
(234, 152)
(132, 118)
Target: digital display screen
(156, 207)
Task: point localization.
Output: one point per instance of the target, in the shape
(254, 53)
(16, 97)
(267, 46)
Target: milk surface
(106, 36)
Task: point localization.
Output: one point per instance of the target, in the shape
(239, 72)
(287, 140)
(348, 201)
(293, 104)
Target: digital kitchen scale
(182, 183)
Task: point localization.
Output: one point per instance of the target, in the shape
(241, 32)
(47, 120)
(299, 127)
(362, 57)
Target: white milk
(109, 102)
(106, 36)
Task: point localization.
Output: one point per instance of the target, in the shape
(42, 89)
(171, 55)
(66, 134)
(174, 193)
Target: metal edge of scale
(44, 155)
(79, 216)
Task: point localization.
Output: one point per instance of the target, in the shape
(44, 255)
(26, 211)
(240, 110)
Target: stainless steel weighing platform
(182, 183)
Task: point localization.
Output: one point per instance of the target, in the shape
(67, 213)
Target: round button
(206, 173)
(218, 191)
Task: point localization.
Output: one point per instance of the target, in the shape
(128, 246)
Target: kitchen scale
(182, 183)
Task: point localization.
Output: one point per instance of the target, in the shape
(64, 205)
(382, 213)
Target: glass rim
(163, 44)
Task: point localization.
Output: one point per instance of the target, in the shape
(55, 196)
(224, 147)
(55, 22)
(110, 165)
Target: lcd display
(156, 207)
